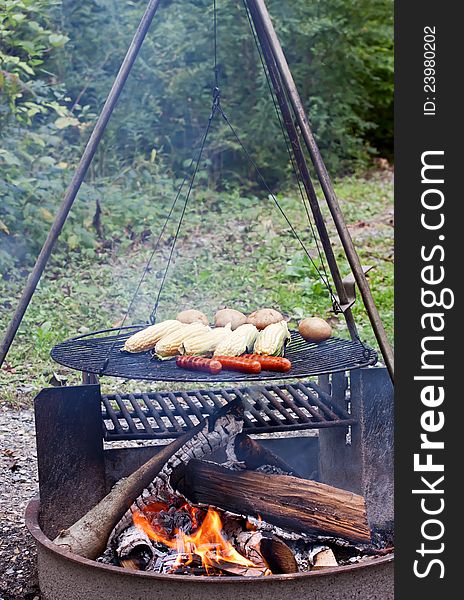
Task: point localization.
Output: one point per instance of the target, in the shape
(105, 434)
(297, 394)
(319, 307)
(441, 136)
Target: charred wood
(231, 568)
(268, 551)
(134, 549)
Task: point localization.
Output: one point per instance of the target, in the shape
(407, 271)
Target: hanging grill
(100, 352)
(103, 356)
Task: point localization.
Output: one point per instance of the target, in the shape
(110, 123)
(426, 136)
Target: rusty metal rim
(32, 524)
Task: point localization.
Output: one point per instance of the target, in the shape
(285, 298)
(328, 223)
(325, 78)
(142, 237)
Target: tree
(339, 50)
(33, 113)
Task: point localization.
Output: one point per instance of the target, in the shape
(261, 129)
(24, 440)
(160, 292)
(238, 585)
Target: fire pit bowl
(65, 576)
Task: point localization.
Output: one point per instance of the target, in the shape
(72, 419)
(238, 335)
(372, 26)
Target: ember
(201, 537)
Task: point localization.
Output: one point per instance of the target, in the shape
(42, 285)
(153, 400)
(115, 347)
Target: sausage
(197, 363)
(271, 363)
(238, 363)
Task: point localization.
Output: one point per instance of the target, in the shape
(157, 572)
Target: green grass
(233, 251)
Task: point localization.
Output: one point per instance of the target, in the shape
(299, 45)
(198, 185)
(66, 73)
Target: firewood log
(134, 550)
(88, 537)
(230, 568)
(266, 550)
(296, 504)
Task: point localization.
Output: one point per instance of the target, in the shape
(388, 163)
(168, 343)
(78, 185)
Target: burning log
(207, 542)
(219, 546)
(135, 550)
(231, 568)
(296, 504)
(88, 537)
(191, 565)
(182, 564)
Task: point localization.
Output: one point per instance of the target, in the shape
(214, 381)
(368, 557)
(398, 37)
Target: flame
(253, 525)
(207, 541)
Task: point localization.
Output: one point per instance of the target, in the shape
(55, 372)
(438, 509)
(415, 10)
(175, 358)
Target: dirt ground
(18, 483)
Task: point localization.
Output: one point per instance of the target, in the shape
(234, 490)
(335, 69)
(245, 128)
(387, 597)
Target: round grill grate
(89, 352)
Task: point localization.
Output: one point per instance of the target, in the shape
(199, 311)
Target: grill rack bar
(270, 408)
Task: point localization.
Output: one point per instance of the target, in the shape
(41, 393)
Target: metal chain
(216, 67)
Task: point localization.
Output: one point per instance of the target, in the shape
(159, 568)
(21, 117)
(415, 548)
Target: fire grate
(270, 408)
(103, 356)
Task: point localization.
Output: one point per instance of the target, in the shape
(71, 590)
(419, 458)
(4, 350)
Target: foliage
(58, 59)
(27, 41)
(340, 51)
(33, 116)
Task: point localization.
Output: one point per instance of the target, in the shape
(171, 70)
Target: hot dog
(197, 363)
(238, 363)
(271, 363)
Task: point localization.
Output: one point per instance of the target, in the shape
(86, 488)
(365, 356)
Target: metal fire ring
(66, 576)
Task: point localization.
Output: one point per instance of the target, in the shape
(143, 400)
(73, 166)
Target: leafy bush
(33, 113)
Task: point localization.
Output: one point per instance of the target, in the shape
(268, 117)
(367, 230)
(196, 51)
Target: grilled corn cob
(169, 344)
(146, 338)
(205, 343)
(240, 341)
(272, 340)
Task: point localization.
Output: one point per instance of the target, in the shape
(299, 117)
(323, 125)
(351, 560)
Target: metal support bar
(363, 462)
(69, 454)
(79, 175)
(264, 20)
(304, 172)
(89, 378)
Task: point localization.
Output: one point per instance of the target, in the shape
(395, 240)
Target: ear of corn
(169, 344)
(240, 341)
(272, 340)
(204, 344)
(147, 338)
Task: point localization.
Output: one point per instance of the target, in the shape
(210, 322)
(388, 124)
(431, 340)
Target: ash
(156, 557)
